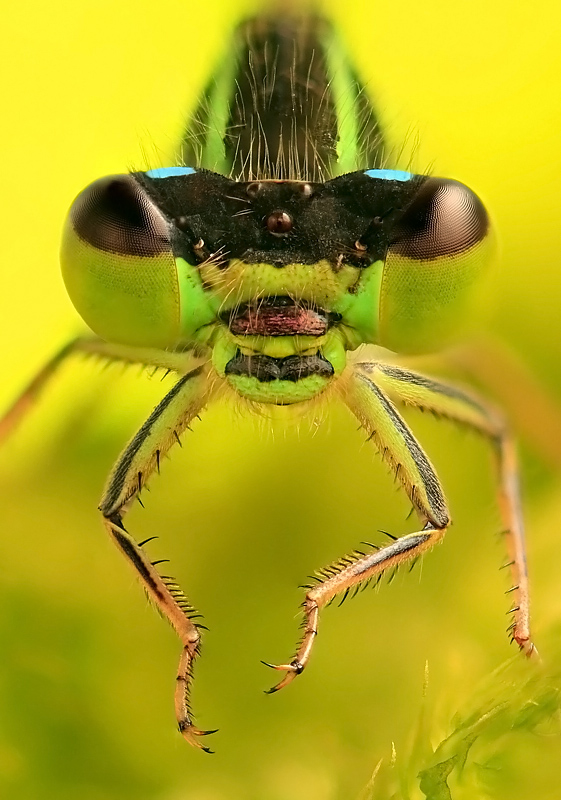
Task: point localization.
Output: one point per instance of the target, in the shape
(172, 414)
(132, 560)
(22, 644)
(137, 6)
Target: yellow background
(246, 511)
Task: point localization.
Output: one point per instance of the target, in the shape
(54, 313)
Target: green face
(277, 260)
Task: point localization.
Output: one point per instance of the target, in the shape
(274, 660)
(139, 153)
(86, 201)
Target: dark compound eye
(118, 264)
(279, 223)
(444, 218)
(114, 214)
(439, 248)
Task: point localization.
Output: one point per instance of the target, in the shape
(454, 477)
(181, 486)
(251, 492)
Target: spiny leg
(137, 462)
(389, 432)
(532, 410)
(178, 362)
(23, 404)
(466, 408)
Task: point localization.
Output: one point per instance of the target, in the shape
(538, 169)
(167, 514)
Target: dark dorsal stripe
(281, 120)
(283, 110)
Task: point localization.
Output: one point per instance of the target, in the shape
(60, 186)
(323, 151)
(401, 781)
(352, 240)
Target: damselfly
(283, 240)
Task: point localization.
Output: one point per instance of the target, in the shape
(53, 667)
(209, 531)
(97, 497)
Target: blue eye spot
(170, 172)
(389, 174)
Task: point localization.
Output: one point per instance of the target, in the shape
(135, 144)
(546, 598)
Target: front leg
(467, 409)
(137, 462)
(399, 448)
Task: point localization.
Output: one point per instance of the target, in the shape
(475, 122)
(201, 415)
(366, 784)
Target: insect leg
(532, 410)
(466, 408)
(89, 346)
(136, 463)
(399, 448)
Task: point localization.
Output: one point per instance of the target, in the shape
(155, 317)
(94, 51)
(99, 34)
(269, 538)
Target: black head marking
(348, 220)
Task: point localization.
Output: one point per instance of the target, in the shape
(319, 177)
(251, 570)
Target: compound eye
(444, 218)
(114, 214)
(118, 265)
(438, 250)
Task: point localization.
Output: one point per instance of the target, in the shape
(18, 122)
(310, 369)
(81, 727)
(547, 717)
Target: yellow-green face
(277, 278)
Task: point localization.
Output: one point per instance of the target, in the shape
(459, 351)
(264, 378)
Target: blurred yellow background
(246, 511)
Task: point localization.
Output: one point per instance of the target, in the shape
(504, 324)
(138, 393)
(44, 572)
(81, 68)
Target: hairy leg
(465, 407)
(90, 345)
(399, 448)
(533, 410)
(137, 462)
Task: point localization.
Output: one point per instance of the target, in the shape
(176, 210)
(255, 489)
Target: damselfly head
(284, 241)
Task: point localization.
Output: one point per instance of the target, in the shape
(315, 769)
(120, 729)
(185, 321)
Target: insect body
(282, 242)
